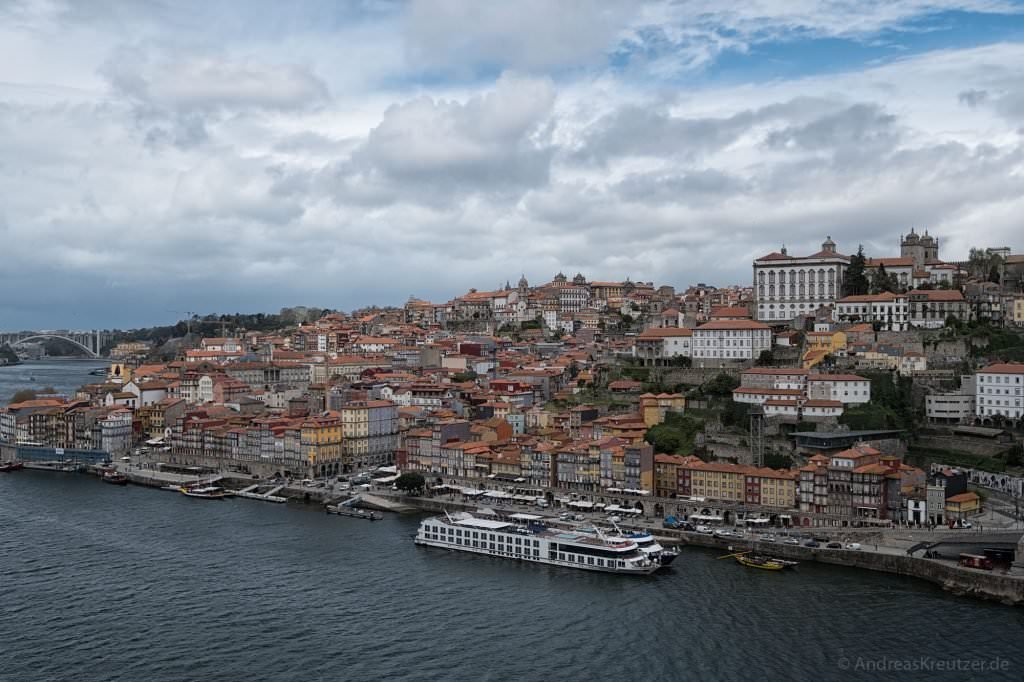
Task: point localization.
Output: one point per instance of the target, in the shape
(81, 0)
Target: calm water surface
(63, 374)
(109, 583)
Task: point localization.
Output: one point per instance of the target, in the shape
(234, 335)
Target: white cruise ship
(533, 541)
(644, 540)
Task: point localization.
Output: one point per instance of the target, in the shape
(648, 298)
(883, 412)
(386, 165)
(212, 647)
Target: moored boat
(765, 563)
(206, 492)
(114, 477)
(11, 466)
(342, 510)
(535, 542)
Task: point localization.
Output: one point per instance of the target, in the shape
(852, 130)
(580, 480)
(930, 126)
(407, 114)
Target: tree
(765, 358)
(1014, 455)
(883, 281)
(722, 385)
(856, 283)
(411, 482)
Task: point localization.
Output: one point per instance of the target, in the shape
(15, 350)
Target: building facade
(786, 287)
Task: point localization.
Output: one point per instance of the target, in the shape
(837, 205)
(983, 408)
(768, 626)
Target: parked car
(615, 519)
(834, 545)
(767, 538)
(564, 516)
(722, 533)
(578, 517)
(812, 543)
(853, 545)
(791, 541)
(704, 529)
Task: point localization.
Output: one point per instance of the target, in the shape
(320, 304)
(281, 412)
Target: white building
(1000, 391)
(731, 340)
(787, 286)
(888, 309)
(849, 389)
(573, 299)
(663, 343)
(949, 408)
(901, 268)
(116, 432)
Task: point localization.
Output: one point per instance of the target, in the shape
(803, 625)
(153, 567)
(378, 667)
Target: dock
(251, 493)
(342, 510)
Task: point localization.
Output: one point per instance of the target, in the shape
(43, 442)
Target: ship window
(561, 556)
(600, 562)
(622, 563)
(590, 561)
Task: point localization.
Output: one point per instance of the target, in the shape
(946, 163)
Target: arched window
(760, 277)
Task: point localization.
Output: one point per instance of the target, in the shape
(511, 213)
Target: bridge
(90, 342)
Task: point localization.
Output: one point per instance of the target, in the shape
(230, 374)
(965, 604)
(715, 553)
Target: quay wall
(1001, 587)
(1004, 588)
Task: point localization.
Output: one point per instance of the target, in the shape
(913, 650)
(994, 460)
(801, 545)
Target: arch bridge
(90, 342)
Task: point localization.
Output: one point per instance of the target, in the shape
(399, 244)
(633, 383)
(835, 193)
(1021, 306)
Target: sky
(163, 157)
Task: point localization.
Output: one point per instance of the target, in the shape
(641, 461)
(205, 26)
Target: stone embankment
(993, 585)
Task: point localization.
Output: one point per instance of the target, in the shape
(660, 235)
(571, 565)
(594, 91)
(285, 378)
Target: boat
(648, 545)
(206, 492)
(11, 466)
(535, 542)
(114, 477)
(98, 372)
(765, 563)
(342, 510)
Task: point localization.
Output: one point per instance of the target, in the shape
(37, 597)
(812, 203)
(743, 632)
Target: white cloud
(250, 174)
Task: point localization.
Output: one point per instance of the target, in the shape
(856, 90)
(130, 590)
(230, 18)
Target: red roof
(938, 294)
(870, 298)
(781, 371)
(733, 324)
(835, 377)
(1004, 368)
(667, 332)
(889, 262)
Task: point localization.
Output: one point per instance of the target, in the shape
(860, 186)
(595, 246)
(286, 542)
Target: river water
(63, 374)
(110, 583)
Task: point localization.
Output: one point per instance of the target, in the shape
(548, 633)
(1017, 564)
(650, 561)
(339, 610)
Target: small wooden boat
(757, 561)
(764, 563)
(11, 466)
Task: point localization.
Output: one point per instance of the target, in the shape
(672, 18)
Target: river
(63, 374)
(112, 583)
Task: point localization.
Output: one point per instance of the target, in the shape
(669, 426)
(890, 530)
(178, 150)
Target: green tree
(664, 438)
(883, 281)
(721, 385)
(1015, 455)
(765, 358)
(411, 482)
(856, 283)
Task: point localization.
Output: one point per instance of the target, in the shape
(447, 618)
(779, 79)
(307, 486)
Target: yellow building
(321, 439)
(666, 474)
(819, 344)
(653, 408)
(738, 483)
(1017, 311)
(959, 506)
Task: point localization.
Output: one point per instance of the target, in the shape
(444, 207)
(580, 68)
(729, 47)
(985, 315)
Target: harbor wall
(1001, 587)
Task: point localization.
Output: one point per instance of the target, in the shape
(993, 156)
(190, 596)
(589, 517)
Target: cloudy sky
(165, 156)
